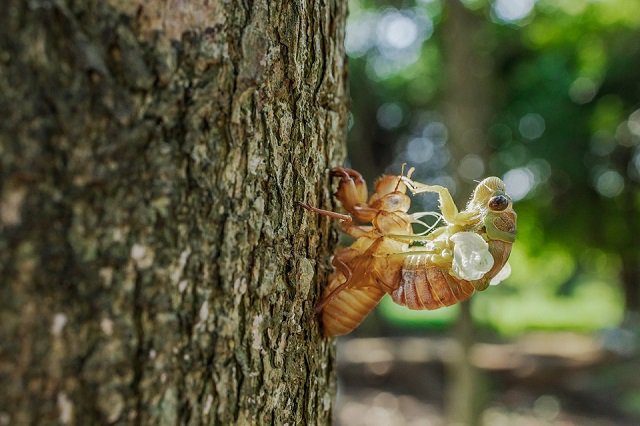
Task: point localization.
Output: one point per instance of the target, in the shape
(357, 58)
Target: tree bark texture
(154, 266)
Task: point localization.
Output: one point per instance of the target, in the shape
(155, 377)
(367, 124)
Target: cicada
(438, 267)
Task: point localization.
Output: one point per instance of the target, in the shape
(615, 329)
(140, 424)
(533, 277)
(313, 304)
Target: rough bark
(154, 266)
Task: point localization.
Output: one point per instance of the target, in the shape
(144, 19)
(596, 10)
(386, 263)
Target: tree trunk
(467, 110)
(630, 277)
(629, 252)
(154, 266)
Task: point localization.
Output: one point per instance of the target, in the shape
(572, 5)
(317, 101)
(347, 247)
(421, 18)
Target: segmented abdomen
(426, 286)
(415, 283)
(372, 275)
(348, 308)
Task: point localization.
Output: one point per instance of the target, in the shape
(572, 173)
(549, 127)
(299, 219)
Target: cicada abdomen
(427, 286)
(348, 307)
(361, 278)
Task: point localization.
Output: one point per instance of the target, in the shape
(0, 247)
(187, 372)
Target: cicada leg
(329, 213)
(348, 302)
(415, 237)
(448, 207)
(352, 193)
(346, 223)
(348, 274)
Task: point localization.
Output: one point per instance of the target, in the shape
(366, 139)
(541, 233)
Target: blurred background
(546, 95)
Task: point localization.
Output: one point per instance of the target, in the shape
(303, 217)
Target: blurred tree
(563, 118)
(155, 269)
(566, 130)
(468, 108)
(544, 94)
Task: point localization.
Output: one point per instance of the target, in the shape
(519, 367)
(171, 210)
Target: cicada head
(486, 190)
(495, 209)
(390, 195)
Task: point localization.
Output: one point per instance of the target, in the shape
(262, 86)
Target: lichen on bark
(155, 268)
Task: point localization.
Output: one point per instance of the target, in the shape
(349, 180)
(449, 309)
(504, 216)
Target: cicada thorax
(424, 285)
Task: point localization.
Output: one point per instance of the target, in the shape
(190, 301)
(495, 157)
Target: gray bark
(154, 266)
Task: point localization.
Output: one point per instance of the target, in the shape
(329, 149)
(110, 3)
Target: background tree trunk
(467, 109)
(154, 266)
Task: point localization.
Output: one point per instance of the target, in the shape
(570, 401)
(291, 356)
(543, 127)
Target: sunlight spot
(59, 321)
(396, 30)
(583, 90)
(634, 123)
(471, 167)
(359, 37)
(391, 38)
(389, 115)
(531, 126)
(419, 150)
(436, 132)
(519, 182)
(512, 10)
(609, 183)
(546, 407)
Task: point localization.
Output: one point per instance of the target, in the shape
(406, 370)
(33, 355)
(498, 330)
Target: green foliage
(564, 135)
(631, 402)
(550, 291)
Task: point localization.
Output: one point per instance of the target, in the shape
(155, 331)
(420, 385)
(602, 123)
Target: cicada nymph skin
(420, 271)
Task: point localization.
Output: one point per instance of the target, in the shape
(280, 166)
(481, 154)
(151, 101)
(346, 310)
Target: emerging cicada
(428, 270)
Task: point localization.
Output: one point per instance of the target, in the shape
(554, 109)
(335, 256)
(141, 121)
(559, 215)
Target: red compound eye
(498, 203)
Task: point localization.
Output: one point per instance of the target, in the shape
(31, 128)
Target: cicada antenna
(410, 172)
(402, 176)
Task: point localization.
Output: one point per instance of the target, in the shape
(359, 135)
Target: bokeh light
(512, 10)
(557, 117)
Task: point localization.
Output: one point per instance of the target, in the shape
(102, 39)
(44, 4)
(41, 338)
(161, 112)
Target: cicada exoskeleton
(420, 271)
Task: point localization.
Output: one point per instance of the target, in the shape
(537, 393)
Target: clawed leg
(346, 271)
(329, 213)
(352, 189)
(362, 266)
(346, 223)
(447, 205)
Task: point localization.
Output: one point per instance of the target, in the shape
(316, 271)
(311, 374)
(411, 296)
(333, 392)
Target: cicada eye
(498, 203)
